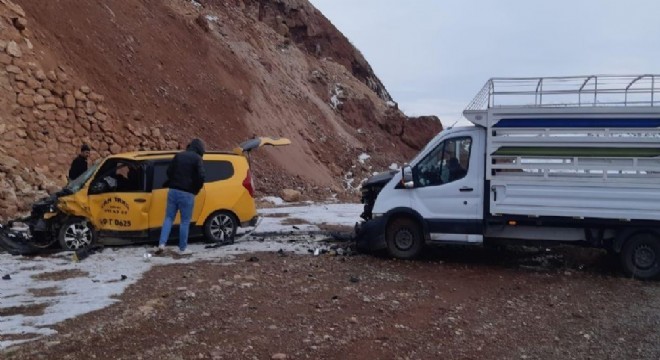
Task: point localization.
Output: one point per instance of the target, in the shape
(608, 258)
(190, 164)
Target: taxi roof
(159, 154)
(244, 147)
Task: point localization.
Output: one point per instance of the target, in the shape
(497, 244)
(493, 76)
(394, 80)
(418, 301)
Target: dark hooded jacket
(186, 171)
(78, 167)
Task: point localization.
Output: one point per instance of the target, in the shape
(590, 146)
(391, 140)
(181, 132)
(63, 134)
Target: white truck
(560, 159)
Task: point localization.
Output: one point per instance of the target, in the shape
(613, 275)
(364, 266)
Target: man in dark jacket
(79, 164)
(185, 178)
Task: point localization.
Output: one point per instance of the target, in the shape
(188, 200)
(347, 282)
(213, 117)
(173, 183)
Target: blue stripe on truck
(577, 123)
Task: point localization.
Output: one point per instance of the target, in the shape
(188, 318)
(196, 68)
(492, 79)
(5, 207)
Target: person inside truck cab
(454, 170)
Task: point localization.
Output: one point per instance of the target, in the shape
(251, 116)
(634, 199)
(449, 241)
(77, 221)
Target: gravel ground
(456, 303)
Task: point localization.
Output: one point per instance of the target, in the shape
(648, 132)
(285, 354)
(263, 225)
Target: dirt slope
(152, 74)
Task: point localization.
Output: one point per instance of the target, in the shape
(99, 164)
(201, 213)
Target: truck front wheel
(404, 238)
(640, 256)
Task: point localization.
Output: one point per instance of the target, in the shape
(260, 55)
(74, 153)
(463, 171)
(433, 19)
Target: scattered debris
(355, 279)
(81, 254)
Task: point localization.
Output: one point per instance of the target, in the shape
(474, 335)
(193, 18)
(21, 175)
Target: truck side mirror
(407, 177)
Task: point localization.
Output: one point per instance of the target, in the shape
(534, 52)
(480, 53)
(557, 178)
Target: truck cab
(443, 191)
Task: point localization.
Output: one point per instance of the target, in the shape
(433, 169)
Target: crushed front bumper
(15, 243)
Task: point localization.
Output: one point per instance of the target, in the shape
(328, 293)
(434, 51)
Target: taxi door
(119, 202)
(159, 198)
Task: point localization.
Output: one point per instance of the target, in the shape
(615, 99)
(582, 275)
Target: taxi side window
(218, 170)
(118, 176)
(215, 171)
(160, 175)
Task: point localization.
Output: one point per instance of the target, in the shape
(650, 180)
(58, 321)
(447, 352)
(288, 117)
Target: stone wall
(47, 114)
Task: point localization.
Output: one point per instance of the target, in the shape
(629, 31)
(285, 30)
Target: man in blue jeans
(185, 178)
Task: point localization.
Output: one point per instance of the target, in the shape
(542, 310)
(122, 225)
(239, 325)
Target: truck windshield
(76, 184)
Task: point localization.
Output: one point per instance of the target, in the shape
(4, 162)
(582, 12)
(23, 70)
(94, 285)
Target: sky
(435, 55)
(102, 277)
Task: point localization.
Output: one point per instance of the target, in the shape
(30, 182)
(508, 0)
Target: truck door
(449, 186)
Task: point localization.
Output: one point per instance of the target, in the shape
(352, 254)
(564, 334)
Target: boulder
(25, 100)
(290, 195)
(79, 95)
(52, 76)
(38, 99)
(13, 49)
(47, 107)
(137, 115)
(7, 163)
(96, 97)
(40, 75)
(44, 92)
(33, 84)
(115, 149)
(5, 59)
(90, 107)
(20, 23)
(13, 69)
(69, 101)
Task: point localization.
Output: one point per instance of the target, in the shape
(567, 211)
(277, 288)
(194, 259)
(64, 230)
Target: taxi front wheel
(76, 234)
(220, 227)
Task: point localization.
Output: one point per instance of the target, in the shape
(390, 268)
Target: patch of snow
(348, 180)
(337, 92)
(195, 3)
(212, 18)
(391, 104)
(273, 200)
(363, 157)
(334, 102)
(394, 166)
(102, 284)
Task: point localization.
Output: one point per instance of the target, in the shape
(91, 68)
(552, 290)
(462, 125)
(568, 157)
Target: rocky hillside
(126, 75)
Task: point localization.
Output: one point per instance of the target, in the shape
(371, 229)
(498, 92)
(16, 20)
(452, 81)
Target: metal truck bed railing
(569, 91)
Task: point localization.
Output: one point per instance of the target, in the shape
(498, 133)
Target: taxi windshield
(76, 184)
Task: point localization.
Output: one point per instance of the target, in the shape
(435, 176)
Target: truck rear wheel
(404, 238)
(640, 256)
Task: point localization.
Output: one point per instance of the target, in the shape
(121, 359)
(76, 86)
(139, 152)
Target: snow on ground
(274, 200)
(96, 281)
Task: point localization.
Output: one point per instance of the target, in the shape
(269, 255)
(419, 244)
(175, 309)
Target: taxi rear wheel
(220, 227)
(76, 234)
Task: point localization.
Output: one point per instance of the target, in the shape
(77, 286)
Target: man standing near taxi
(185, 178)
(79, 164)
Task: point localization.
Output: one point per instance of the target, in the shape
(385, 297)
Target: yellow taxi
(122, 199)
